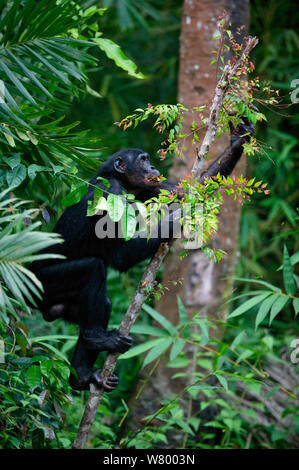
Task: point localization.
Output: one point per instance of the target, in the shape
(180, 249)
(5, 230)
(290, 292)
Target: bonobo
(75, 287)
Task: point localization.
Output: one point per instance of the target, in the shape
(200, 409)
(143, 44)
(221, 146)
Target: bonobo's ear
(119, 165)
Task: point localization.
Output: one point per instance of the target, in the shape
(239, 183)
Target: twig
(149, 276)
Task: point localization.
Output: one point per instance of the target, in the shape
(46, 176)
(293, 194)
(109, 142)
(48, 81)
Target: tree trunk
(203, 282)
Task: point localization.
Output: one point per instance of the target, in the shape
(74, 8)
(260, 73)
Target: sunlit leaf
(114, 52)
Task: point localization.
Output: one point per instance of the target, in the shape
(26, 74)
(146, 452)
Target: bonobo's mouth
(154, 179)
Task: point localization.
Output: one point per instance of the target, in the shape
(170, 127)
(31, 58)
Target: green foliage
(31, 380)
(43, 65)
(225, 368)
(272, 300)
(203, 200)
(19, 243)
(46, 66)
(34, 386)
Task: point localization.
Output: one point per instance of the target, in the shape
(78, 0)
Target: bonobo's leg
(76, 290)
(95, 304)
(62, 282)
(83, 361)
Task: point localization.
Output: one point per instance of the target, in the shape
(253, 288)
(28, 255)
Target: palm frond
(20, 244)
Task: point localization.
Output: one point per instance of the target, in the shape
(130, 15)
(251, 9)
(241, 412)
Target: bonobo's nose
(154, 171)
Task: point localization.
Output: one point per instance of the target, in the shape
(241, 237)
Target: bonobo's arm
(224, 164)
(227, 161)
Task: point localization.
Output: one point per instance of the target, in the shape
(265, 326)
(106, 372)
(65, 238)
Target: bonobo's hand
(244, 129)
(116, 342)
(111, 341)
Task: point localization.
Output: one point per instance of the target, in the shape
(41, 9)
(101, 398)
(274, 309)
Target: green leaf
(223, 381)
(183, 317)
(33, 169)
(160, 319)
(268, 341)
(204, 335)
(271, 392)
(54, 350)
(144, 329)
(238, 339)
(75, 196)
(33, 376)
(99, 203)
(185, 426)
(63, 369)
(177, 348)
(265, 308)
(46, 366)
(296, 305)
(15, 80)
(114, 52)
(16, 176)
(257, 281)
(128, 222)
(278, 306)
(115, 207)
(248, 305)
(157, 351)
(136, 350)
(288, 275)
(13, 160)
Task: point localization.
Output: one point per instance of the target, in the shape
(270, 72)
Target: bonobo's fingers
(109, 385)
(112, 341)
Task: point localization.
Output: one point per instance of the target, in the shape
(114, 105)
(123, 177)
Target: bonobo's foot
(109, 385)
(111, 341)
(95, 378)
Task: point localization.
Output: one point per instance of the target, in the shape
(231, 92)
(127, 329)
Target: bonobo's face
(134, 169)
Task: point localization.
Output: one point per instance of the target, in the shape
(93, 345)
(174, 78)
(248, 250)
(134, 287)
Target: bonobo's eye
(143, 157)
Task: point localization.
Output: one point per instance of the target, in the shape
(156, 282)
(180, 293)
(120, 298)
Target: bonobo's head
(133, 168)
